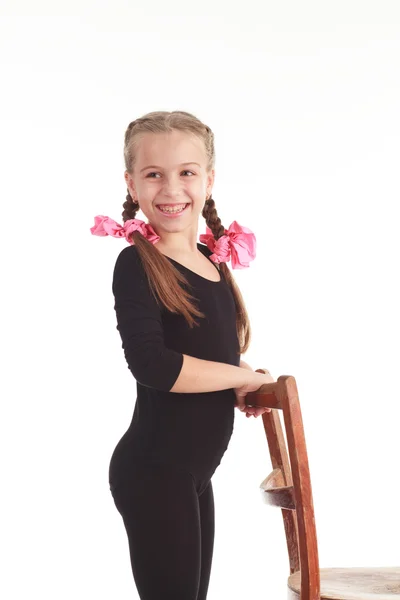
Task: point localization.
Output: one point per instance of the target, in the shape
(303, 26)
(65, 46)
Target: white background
(303, 98)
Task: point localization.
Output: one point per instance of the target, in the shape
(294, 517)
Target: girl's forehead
(151, 140)
(169, 149)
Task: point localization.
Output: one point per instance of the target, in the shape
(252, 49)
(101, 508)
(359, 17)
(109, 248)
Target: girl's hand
(256, 411)
(252, 386)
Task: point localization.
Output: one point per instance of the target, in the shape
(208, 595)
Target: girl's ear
(129, 183)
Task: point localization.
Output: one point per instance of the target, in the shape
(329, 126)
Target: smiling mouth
(171, 210)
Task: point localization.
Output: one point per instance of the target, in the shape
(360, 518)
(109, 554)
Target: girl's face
(161, 177)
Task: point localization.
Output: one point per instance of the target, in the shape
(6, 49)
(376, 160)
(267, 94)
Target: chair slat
(282, 497)
(275, 479)
(274, 491)
(280, 460)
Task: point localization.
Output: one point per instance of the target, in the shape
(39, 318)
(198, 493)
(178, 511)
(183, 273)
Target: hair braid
(130, 208)
(213, 221)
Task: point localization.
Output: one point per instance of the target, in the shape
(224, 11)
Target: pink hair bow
(106, 226)
(238, 244)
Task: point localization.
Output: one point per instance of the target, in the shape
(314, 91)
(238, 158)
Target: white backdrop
(303, 98)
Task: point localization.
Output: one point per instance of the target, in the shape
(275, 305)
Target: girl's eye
(154, 173)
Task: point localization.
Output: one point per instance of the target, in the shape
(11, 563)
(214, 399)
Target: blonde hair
(166, 282)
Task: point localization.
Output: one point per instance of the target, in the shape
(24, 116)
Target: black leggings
(169, 521)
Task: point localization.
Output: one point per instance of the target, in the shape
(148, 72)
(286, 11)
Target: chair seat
(355, 583)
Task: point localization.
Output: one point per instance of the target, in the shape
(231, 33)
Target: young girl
(183, 326)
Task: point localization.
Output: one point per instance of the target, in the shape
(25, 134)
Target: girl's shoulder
(129, 256)
(128, 269)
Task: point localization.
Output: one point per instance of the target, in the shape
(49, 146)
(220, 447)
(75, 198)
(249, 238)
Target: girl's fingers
(254, 411)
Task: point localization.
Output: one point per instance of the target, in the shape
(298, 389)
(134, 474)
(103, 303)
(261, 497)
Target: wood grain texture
(289, 486)
(294, 480)
(356, 583)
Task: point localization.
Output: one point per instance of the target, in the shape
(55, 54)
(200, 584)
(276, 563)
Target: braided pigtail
(130, 207)
(243, 327)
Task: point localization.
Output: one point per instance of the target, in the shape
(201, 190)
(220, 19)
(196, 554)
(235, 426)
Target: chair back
(288, 486)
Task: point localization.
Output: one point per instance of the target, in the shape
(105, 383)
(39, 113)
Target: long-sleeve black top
(188, 430)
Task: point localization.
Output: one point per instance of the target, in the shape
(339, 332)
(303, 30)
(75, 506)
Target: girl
(183, 326)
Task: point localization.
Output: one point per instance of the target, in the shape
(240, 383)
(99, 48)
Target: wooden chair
(289, 487)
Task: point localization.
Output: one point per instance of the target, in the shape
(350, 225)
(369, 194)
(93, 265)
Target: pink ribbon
(106, 226)
(238, 245)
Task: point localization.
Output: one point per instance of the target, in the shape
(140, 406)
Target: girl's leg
(160, 509)
(207, 526)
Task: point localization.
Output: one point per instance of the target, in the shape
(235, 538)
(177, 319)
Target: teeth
(172, 210)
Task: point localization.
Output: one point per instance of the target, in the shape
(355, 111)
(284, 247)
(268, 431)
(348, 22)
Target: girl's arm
(151, 363)
(244, 365)
(198, 375)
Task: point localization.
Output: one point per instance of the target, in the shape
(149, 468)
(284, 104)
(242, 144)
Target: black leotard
(188, 430)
